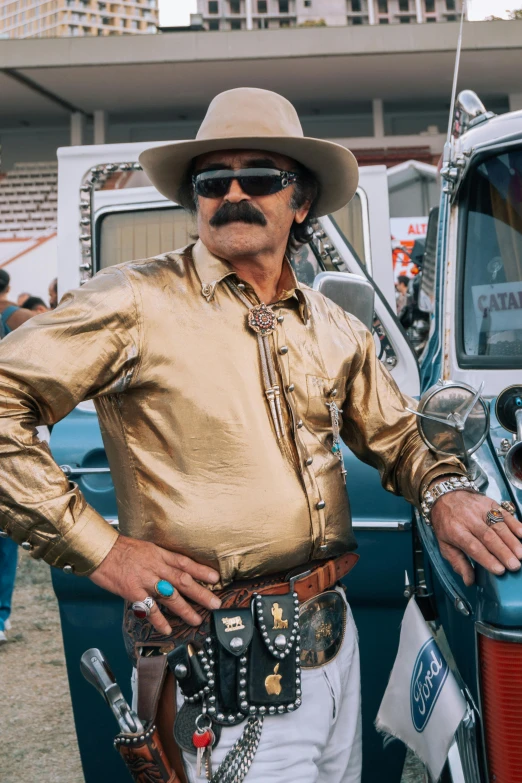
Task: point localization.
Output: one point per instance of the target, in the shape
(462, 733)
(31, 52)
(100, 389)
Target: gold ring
(493, 516)
(508, 506)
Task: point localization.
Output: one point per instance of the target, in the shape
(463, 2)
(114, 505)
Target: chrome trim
(499, 634)
(70, 471)
(400, 526)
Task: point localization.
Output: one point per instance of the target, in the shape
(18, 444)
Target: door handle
(70, 471)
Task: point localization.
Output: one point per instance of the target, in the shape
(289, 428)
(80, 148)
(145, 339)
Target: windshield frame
(464, 360)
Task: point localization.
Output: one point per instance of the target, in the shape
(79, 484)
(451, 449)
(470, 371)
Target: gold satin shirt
(163, 348)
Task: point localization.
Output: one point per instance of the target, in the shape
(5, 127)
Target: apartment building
(273, 14)
(56, 18)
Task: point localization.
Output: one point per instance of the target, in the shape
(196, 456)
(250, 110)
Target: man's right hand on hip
(132, 568)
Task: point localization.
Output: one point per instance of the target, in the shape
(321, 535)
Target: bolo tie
(263, 321)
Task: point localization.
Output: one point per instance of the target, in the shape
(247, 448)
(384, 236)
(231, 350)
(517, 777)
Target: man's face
(53, 294)
(237, 225)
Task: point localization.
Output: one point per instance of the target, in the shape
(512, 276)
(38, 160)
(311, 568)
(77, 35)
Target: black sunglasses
(253, 182)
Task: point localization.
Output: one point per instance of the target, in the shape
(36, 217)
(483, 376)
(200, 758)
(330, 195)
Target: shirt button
(299, 424)
(280, 318)
(283, 349)
(241, 286)
(309, 461)
(320, 505)
(290, 388)
(26, 545)
(68, 569)
(333, 393)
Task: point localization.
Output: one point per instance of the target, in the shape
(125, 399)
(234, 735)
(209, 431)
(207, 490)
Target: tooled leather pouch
(145, 758)
(274, 670)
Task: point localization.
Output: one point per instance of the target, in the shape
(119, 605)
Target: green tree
(513, 15)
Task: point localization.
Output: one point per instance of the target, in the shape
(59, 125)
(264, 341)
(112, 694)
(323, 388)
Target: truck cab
(107, 214)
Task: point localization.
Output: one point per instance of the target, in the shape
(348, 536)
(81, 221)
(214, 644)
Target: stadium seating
(28, 200)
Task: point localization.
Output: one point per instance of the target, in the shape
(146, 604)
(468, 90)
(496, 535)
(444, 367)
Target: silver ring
(494, 516)
(142, 609)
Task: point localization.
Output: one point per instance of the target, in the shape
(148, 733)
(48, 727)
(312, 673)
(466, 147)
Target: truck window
(492, 275)
(142, 233)
(352, 222)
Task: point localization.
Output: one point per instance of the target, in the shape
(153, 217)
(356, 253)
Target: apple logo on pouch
(273, 682)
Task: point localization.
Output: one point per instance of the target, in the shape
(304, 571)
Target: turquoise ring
(164, 589)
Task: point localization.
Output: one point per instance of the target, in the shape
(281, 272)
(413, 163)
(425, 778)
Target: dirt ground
(36, 722)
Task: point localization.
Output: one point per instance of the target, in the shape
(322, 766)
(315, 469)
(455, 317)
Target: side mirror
(351, 292)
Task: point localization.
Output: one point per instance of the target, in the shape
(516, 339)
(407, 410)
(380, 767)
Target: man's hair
(4, 280)
(32, 302)
(306, 189)
(404, 279)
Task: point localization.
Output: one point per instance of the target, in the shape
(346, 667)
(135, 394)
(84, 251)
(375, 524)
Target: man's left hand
(459, 522)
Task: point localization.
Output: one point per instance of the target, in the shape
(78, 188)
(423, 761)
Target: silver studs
(242, 670)
(27, 546)
(242, 683)
(299, 424)
(271, 710)
(263, 627)
(290, 707)
(242, 694)
(262, 710)
(280, 641)
(283, 349)
(208, 640)
(180, 671)
(231, 718)
(298, 691)
(68, 569)
(236, 643)
(280, 318)
(281, 709)
(212, 699)
(290, 387)
(320, 505)
(271, 647)
(298, 702)
(252, 710)
(309, 461)
(243, 659)
(211, 710)
(211, 683)
(220, 716)
(265, 634)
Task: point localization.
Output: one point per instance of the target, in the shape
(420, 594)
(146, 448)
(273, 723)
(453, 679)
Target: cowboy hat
(253, 119)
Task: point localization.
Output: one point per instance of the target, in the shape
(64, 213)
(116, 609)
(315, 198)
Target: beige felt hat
(253, 119)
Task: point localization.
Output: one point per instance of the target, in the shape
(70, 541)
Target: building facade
(57, 18)
(274, 14)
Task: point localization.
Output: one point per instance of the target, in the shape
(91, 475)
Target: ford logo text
(429, 675)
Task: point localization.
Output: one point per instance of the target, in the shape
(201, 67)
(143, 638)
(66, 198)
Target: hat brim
(334, 166)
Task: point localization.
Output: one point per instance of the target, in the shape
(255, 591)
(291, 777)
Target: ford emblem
(429, 675)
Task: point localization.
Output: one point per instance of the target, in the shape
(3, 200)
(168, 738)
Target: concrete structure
(274, 14)
(56, 18)
(382, 90)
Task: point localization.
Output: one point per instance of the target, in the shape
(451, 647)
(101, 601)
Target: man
(35, 305)
(401, 289)
(53, 293)
(222, 387)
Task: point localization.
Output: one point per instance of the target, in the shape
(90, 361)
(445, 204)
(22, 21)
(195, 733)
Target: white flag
(423, 704)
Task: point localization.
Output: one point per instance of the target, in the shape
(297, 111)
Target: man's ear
(301, 213)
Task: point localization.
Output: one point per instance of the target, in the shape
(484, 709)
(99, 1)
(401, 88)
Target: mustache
(240, 212)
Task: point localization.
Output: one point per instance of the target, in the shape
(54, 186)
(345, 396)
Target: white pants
(319, 743)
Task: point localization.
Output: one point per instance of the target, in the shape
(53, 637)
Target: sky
(177, 12)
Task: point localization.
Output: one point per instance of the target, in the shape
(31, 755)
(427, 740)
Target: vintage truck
(471, 292)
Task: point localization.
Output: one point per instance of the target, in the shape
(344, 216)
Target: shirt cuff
(451, 466)
(85, 545)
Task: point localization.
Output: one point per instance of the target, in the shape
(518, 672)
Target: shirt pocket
(319, 390)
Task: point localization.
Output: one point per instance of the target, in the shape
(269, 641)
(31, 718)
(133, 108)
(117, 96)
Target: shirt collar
(212, 270)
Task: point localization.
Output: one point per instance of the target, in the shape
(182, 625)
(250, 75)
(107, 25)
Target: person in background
(53, 293)
(401, 288)
(36, 305)
(11, 316)
(22, 298)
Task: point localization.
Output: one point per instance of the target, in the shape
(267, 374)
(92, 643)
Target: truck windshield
(492, 279)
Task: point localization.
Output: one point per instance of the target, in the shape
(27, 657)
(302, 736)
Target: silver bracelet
(450, 484)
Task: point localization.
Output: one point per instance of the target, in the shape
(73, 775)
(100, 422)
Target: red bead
(141, 614)
(202, 740)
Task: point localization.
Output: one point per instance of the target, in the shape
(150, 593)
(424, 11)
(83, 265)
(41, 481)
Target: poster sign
(498, 306)
(404, 232)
